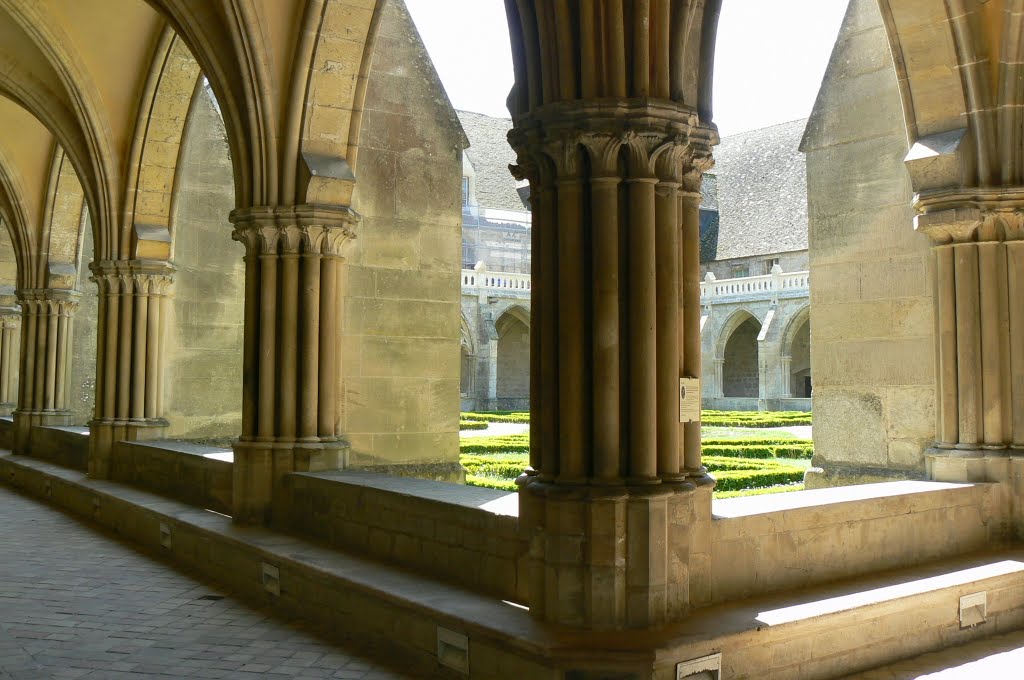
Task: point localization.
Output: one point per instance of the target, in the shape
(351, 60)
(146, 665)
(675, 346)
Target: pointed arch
(796, 320)
(466, 338)
(513, 314)
(732, 322)
(152, 173)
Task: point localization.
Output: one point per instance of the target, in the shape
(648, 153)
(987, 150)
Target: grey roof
(490, 154)
(761, 182)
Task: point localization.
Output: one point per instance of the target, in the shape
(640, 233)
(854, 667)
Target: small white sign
(689, 400)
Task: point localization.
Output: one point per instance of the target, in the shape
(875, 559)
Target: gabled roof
(490, 154)
(761, 181)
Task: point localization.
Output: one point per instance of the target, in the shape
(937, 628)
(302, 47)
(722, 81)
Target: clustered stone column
(292, 357)
(10, 330)
(615, 325)
(46, 337)
(979, 317)
(129, 359)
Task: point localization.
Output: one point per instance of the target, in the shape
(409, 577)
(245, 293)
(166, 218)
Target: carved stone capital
(132, 277)
(662, 141)
(47, 301)
(294, 230)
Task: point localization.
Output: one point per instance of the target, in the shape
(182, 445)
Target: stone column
(492, 371)
(130, 343)
(291, 392)
(979, 328)
(611, 501)
(787, 386)
(45, 361)
(719, 386)
(10, 332)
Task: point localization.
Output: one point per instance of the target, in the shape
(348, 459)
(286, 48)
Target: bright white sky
(770, 56)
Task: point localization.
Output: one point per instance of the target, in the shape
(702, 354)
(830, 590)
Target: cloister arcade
(345, 203)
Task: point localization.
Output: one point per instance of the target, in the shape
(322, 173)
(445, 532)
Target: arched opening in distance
(800, 362)
(740, 374)
(513, 384)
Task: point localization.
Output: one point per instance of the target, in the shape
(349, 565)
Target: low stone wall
(780, 542)
(195, 474)
(65, 446)
(6, 433)
(464, 534)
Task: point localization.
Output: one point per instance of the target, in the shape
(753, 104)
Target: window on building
(465, 191)
(769, 263)
(740, 270)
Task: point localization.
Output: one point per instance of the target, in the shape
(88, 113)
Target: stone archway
(740, 374)
(799, 368)
(513, 376)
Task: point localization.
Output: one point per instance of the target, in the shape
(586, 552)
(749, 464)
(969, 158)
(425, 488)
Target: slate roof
(491, 155)
(758, 187)
(761, 193)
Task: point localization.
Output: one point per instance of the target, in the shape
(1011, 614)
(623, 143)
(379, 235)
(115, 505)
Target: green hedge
(755, 418)
(734, 448)
(498, 416)
(509, 466)
(735, 480)
(473, 425)
(745, 450)
(781, 488)
(491, 483)
(724, 463)
(506, 443)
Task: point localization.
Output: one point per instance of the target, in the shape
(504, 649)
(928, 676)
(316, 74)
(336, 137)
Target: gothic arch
(732, 322)
(797, 320)
(466, 338)
(163, 114)
(512, 314)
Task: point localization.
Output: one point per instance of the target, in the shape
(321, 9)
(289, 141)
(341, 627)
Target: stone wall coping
(815, 498)
(476, 497)
(70, 429)
(185, 448)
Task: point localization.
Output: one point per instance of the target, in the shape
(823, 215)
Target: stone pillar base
(24, 421)
(259, 468)
(7, 409)
(610, 558)
(1001, 466)
(975, 465)
(104, 435)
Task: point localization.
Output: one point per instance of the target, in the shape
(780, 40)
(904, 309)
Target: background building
(755, 322)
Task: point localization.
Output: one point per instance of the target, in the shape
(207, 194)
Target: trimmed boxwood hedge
(791, 450)
(735, 448)
(755, 418)
(491, 483)
(522, 417)
(473, 425)
(735, 480)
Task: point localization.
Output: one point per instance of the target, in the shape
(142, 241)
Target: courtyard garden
(747, 452)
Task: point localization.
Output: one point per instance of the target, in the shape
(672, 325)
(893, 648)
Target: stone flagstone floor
(76, 603)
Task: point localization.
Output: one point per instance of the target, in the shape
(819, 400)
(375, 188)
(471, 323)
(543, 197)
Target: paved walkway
(996, 658)
(75, 603)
